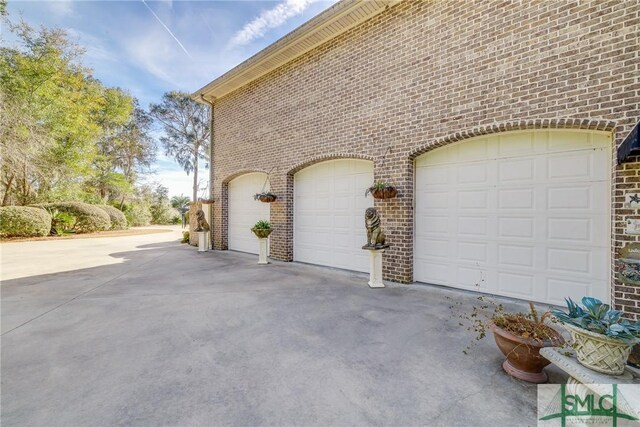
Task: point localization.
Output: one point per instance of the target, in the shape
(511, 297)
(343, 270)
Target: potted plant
(601, 338)
(262, 229)
(265, 197)
(382, 190)
(519, 336)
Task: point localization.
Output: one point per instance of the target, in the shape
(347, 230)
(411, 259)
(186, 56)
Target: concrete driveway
(151, 332)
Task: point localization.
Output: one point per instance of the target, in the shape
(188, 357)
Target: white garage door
(244, 212)
(520, 214)
(329, 205)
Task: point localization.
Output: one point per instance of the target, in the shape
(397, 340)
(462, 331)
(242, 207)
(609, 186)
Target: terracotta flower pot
(262, 233)
(523, 354)
(384, 193)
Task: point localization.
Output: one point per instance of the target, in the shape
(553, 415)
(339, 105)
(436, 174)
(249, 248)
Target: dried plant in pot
(601, 338)
(519, 336)
(262, 229)
(382, 190)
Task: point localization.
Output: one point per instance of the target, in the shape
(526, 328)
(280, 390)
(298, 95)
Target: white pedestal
(262, 255)
(375, 268)
(203, 241)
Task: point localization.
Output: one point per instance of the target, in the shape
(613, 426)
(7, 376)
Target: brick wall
(423, 74)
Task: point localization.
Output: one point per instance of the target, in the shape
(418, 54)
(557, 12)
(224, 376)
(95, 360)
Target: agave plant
(599, 318)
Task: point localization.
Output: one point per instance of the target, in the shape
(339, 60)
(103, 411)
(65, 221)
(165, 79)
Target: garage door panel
(516, 284)
(516, 255)
(518, 227)
(569, 197)
(540, 215)
(343, 222)
(342, 202)
(434, 272)
(571, 229)
(476, 151)
(569, 260)
(510, 145)
(432, 224)
(338, 230)
(475, 199)
(558, 289)
(473, 225)
(474, 173)
(469, 277)
(435, 200)
(433, 248)
(434, 176)
(565, 141)
(244, 211)
(516, 170)
(570, 166)
(521, 198)
(472, 251)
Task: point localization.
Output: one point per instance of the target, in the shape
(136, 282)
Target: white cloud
(269, 19)
(60, 8)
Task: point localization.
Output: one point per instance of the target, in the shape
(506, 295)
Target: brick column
(281, 245)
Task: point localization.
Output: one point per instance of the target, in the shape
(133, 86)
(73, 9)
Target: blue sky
(151, 47)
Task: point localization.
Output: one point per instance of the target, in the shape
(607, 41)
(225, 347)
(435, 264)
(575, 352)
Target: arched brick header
(240, 173)
(590, 124)
(318, 159)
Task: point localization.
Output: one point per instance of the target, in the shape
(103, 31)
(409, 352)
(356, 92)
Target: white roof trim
(334, 21)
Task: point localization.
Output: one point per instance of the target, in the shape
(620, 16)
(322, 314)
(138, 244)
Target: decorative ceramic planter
(523, 354)
(599, 352)
(384, 193)
(262, 233)
(267, 198)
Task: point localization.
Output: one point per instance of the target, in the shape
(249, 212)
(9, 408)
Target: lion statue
(375, 236)
(203, 225)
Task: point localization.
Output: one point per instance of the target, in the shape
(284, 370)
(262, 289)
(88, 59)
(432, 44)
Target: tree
(180, 202)
(186, 131)
(49, 125)
(125, 148)
(63, 134)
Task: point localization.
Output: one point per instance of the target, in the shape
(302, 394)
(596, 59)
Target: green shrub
(118, 220)
(138, 215)
(185, 237)
(163, 213)
(89, 218)
(24, 221)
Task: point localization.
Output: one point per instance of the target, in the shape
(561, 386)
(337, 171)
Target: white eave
(329, 24)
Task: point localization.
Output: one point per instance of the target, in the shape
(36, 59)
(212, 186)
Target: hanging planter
(381, 190)
(265, 197)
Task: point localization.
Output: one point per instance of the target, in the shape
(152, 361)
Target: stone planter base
(375, 266)
(262, 254)
(203, 241)
(261, 233)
